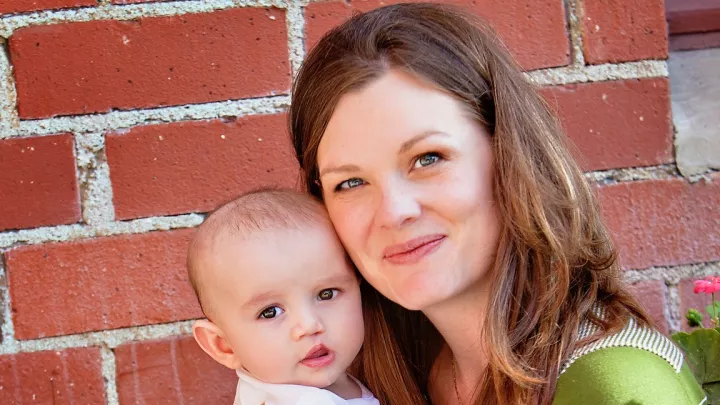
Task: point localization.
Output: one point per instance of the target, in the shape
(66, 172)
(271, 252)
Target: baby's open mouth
(318, 356)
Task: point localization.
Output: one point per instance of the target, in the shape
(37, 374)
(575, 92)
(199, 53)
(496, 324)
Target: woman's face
(406, 175)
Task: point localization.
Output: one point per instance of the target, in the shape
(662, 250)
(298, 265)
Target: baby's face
(289, 304)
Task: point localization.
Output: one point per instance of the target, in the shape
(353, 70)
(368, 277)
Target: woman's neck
(460, 321)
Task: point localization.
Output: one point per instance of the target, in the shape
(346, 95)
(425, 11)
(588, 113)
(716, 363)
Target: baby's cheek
(264, 355)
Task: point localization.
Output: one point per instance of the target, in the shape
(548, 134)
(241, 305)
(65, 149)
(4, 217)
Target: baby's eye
(270, 312)
(426, 159)
(327, 294)
(349, 183)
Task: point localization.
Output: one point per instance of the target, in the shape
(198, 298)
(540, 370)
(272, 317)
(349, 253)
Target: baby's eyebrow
(261, 298)
(337, 279)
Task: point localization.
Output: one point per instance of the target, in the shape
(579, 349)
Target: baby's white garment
(251, 391)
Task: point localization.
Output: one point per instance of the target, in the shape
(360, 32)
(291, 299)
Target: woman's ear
(213, 342)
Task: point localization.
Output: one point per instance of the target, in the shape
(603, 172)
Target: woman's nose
(398, 205)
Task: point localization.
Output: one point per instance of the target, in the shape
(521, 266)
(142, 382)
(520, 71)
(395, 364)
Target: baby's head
(281, 298)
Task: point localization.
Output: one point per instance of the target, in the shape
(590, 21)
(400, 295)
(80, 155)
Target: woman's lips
(318, 356)
(413, 250)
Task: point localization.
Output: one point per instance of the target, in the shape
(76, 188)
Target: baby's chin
(315, 378)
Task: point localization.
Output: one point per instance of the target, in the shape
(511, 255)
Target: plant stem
(716, 321)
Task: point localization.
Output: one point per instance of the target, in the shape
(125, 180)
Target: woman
(446, 178)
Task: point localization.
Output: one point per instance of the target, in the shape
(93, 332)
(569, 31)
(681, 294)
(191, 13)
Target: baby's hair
(256, 211)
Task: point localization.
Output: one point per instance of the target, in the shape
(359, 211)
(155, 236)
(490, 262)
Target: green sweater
(636, 366)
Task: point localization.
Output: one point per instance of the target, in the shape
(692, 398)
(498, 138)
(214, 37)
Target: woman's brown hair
(555, 259)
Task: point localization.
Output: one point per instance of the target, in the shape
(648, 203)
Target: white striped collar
(632, 335)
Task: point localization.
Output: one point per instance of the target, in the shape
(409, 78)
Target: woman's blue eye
(349, 183)
(327, 294)
(426, 160)
(270, 312)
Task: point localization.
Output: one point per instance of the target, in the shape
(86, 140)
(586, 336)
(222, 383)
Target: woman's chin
(417, 296)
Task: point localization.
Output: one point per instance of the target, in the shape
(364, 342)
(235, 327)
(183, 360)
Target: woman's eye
(327, 294)
(426, 160)
(349, 183)
(270, 312)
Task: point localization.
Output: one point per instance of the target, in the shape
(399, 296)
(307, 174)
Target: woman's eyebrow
(407, 145)
(339, 169)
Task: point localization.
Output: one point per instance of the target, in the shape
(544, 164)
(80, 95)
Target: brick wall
(121, 124)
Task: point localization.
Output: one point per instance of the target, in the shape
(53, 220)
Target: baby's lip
(317, 351)
(319, 356)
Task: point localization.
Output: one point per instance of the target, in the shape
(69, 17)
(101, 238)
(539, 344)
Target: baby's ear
(212, 340)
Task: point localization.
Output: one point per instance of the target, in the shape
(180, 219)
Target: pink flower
(709, 286)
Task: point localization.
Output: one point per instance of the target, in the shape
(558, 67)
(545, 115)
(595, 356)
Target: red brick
(618, 123)
(135, 1)
(688, 300)
(621, 30)
(98, 284)
(171, 372)
(534, 30)
(38, 185)
(663, 222)
(690, 16)
(18, 6)
(695, 41)
(68, 377)
(195, 166)
(96, 66)
(651, 295)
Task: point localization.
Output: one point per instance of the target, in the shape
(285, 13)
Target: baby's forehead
(281, 252)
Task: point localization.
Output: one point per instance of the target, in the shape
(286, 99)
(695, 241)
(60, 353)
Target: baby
(281, 298)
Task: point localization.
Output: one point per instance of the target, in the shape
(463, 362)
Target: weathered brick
(97, 284)
(685, 16)
(617, 123)
(663, 222)
(195, 166)
(687, 42)
(96, 66)
(534, 30)
(171, 372)
(68, 377)
(651, 295)
(688, 300)
(18, 6)
(38, 185)
(621, 31)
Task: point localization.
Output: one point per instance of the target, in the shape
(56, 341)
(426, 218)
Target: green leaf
(713, 393)
(709, 309)
(702, 351)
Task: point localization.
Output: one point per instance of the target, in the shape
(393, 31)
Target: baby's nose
(308, 325)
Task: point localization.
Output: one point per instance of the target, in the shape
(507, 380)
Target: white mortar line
(65, 233)
(613, 176)
(125, 119)
(598, 73)
(94, 179)
(672, 275)
(296, 35)
(8, 96)
(574, 13)
(108, 338)
(8, 329)
(9, 24)
(672, 309)
(109, 373)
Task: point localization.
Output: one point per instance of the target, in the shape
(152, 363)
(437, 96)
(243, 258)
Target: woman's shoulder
(637, 365)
